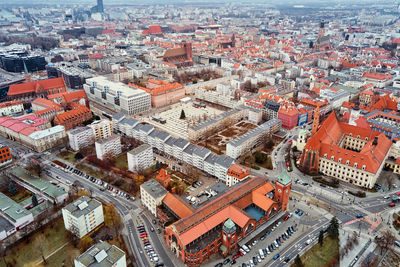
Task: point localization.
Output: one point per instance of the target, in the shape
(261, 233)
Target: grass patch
(25, 252)
(90, 170)
(67, 156)
(121, 162)
(321, 256)
(21, 195)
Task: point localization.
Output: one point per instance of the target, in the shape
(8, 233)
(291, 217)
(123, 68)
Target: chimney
(375, 142)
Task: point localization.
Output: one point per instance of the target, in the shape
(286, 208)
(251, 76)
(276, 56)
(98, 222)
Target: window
(363, 167)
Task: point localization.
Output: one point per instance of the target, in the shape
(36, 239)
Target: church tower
(229, 237)
(315, 121)
(282, 189)
(321, 32)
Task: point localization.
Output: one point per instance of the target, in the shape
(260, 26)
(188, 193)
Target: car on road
(276, 256)
(219, 265)
(287, 260)
(359, 216)
(392, 204)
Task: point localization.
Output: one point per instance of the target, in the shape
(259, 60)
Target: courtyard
(176, 126)
(217, 142)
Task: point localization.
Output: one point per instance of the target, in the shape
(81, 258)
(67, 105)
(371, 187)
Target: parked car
(276, 256)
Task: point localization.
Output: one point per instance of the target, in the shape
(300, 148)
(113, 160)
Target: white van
(246, 248)
(261, 253)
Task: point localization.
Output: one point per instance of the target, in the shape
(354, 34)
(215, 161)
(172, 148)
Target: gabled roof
(34, 86)
(177, 205)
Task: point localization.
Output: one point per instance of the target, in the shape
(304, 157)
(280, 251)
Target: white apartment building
(80, 137)
(108, 147)
(253, 138)
(140, 158)
(117, 96)
(102, 254)
(83, 216)
(181, 149)
(151, 195)
(101, 129)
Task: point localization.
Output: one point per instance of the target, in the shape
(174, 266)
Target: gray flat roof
(201, 151)
(82, 206)
(139, 149)
(153, 188)
(101, 255)
(181, 143)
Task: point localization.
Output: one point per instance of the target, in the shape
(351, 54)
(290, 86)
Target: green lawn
(121, 162)
(68, 156)
(21, 195)
(90, 171)
(321, 256)
(24, 253)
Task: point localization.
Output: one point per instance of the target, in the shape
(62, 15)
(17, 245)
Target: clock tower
(282, 189)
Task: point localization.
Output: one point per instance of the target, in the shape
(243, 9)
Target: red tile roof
(36, 86)
(180, 207)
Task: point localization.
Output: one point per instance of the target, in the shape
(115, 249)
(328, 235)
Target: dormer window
(347, 162)
(340, 160)
(325, 155)
(333, 158)
(355, 165)
(363, 167)
(358, 136)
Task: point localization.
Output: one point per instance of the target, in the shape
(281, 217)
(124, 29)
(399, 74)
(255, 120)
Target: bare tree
(71, 256)
(385, 241)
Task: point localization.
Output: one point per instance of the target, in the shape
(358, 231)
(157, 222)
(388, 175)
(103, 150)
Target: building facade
(5, 155)
(117, 96)
(101, 129)
(11, 108)
(140, 158)
(151, 195)
(83, 216)
(108, 147)
(80, 138)
(74, 117)
(236, 174)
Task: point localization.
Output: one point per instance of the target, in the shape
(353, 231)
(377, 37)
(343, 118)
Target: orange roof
(326, 140)
(74, 96)
(385, 102)
(238, 171)
(163, 175)
(165, 88)
(78, 111)
(45, 103)
(177, 205)
(222, 208)
(377, 76)
(35, 86)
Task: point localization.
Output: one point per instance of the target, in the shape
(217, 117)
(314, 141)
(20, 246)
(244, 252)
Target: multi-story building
(5, 155)
(221, 224)
(74, 117)
(74, 77)
(102, 254)
(140, 158)
(346, 152)
(117, 96)
(32, 131)
(108, 147)
(101, 129)
(80, 137)
(83, 216)
(11, 108)
(270, 109)
(181, 149)
(151, 195)
(236, 174)
(289, 116)
(162, 93)
(384, 122)
(253, 138)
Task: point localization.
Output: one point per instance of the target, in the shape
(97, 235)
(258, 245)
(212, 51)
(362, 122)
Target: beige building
(101, 129)
(108, 147)
(151, 195)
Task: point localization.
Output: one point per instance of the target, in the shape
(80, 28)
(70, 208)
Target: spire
(316, 121)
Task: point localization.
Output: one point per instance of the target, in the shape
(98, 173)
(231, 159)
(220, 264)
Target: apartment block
(253, 138)
(108, 147)
(140, 158)
(152, 194)
(11, 108)
(80, 137)
(102, 254)
(83, 216)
